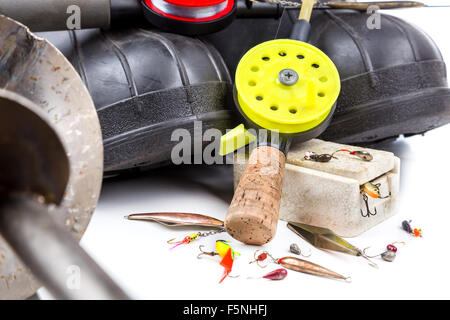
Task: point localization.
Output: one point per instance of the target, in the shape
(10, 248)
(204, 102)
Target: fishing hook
(366, 201)
(371, 263)
(212, 253)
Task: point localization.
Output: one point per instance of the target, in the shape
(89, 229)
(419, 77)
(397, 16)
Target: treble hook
(366, 201)
(212, 254)
(365, 256)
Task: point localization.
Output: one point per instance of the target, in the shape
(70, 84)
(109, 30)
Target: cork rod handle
(252, 217)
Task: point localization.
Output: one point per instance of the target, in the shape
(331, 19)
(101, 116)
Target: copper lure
(307, 267)
(175, 219)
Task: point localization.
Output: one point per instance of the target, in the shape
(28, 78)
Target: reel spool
(190, 17)
(287, 86)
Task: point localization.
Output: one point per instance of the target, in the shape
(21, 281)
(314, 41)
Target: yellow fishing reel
(286, 85)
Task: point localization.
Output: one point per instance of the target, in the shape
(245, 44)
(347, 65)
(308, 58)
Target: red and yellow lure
(186, 240)
(224, 250)
(193, 237)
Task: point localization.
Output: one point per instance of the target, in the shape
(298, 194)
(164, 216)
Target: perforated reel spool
(278, 101)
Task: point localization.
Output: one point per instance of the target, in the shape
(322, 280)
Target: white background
(137, 256)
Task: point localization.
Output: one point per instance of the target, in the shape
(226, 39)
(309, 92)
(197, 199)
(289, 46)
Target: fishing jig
(224, 250)
(259, 258)
(278, 274)
(373, 191)
(307, 267)
(326, 239)
(407, 227)
(312, 156)
(325, 157)
(363, 155)
(390, 253)
(193, 237)
(295, 249)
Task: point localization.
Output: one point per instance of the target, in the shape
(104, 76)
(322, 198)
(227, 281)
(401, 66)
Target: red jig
(260, 258)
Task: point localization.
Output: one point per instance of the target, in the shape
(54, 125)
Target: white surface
(138, 258)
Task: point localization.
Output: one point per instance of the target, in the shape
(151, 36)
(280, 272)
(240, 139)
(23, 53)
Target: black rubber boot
(145, 84)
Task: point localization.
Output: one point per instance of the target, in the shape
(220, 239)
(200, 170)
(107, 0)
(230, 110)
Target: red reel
(191, 17)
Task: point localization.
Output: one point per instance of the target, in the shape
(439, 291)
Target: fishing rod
(360, 6)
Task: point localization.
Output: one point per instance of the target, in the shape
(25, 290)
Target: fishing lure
(312, 156)
(278, 274)
(295, 249)
(363, 155)
(406, 225)
(390, 254)
(259, 259)
(307, 267)
(176, 219)
(193, 237)
(224, 250)
(326, 239)
(372, 190)
(325, 157)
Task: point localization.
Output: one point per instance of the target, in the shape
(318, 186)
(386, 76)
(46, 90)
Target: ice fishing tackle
(373, 191)
(307, 267)
(390, 253)
(276, 275)
(322, 238)
(259, 258)
(178, 219)
(326, 157)
(224, 250)
(295, 249)
(406, 225)
(193, 237)
(368, 212)
(222, 247)
(363, 155)
(312, 156)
